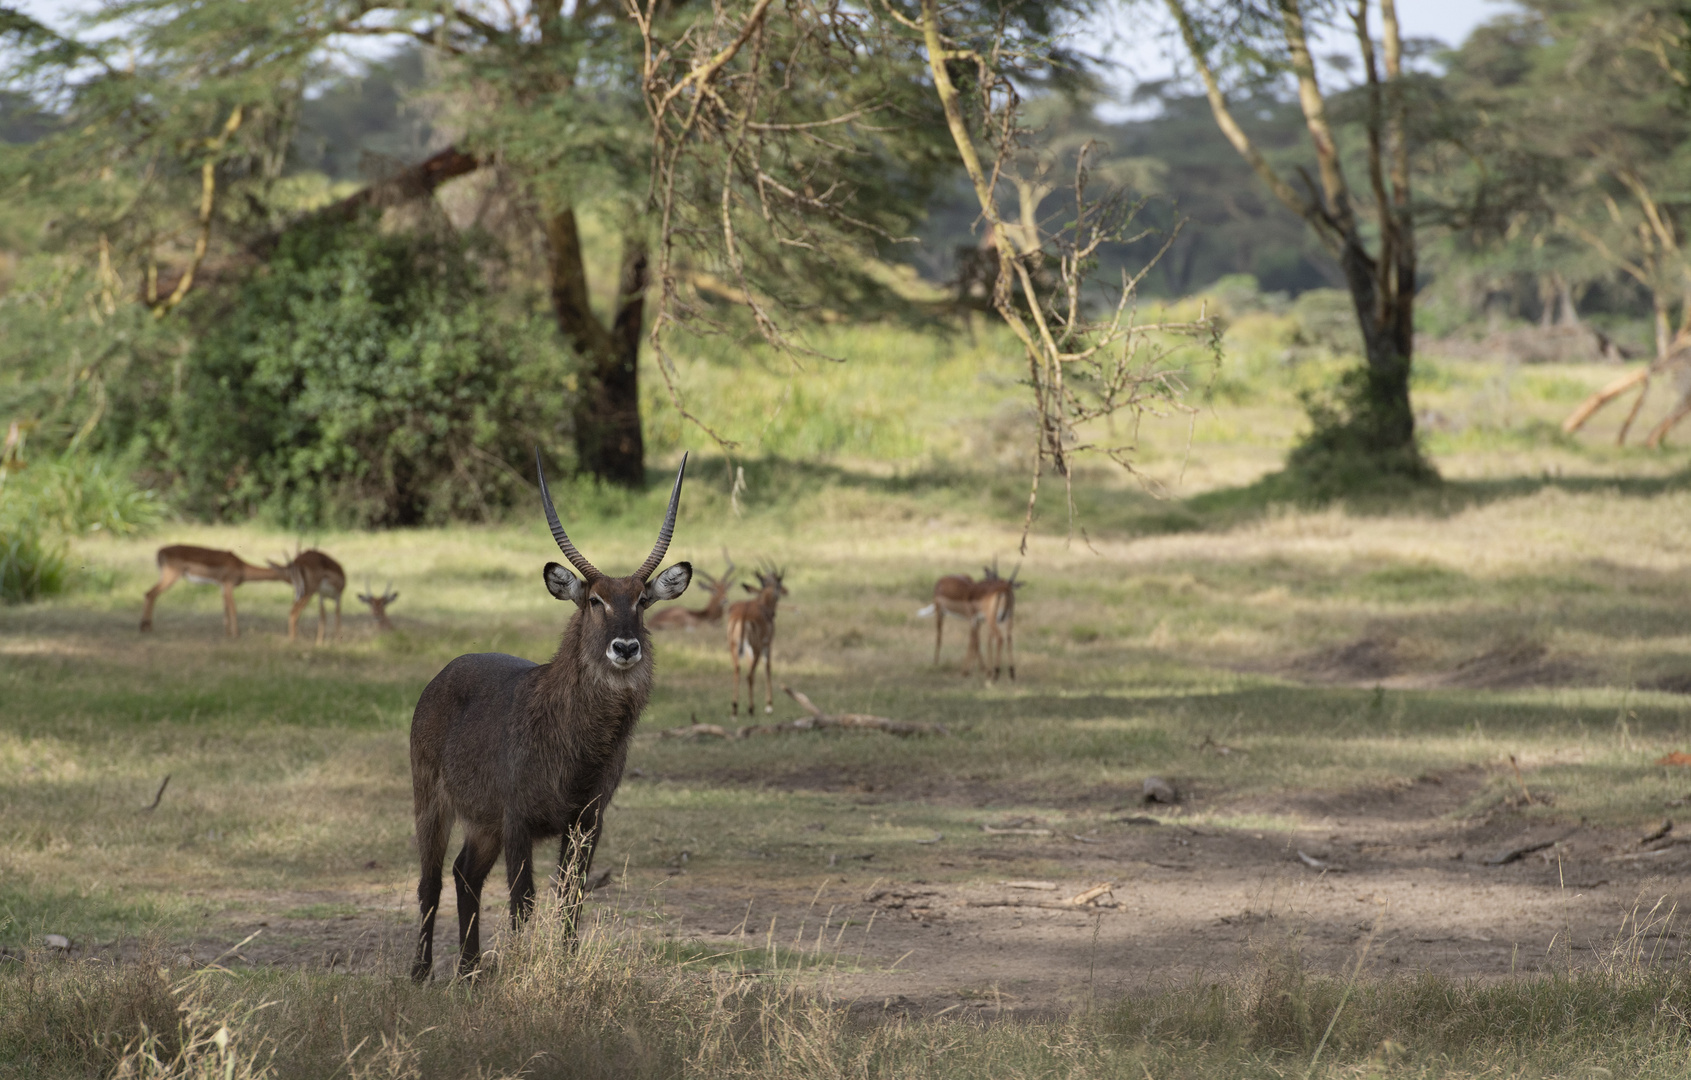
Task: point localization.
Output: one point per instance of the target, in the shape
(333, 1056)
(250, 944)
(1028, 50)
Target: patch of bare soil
(1511, 665)
(1367, 659)
(1381, 660)
(980, 924)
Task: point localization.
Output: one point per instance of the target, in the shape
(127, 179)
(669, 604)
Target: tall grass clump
(617, 1005)
(53, 499)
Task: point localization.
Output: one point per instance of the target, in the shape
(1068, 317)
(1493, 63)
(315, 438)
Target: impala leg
(768, 681)
(433, 829)
(939, 628)
(974, 652)
(469, 873)
(1010, 645)
(337, 616)
(734, 652)
(229, 622)
(293, 615)
(168, 576)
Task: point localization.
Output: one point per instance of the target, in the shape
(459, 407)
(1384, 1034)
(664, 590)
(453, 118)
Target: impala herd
(515, 751)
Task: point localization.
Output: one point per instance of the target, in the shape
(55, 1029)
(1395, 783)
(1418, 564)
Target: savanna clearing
(1421, 737)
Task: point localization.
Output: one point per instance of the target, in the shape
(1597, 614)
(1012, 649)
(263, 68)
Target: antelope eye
(595, 600)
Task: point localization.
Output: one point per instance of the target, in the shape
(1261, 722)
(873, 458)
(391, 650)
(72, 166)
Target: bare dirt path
(942, 932)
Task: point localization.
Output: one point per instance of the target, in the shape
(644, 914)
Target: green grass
(1173, 621)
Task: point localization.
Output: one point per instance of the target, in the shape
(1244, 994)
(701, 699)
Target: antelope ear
(563, 585)
(669, 584)
(751, 588)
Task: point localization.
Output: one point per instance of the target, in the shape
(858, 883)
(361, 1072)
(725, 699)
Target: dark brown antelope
(519, 751)
(684, 619)
(207, 566)
(751, 632)
(314, 573)
(379, 604)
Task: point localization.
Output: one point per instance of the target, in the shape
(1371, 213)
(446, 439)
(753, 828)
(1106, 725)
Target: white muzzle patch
(623, 653)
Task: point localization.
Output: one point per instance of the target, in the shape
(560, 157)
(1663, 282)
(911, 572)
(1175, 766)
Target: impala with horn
(751, 632)
(677, 618)
(379, 604)
(519, 752)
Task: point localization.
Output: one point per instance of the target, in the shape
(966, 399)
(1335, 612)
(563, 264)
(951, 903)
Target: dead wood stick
(1509, 855)
(695, 731)
(157, 796)
(992, 831)
(1590, 405)
(1525, 794)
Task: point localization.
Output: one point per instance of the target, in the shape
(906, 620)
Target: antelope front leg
(939, 627)
(768, 681)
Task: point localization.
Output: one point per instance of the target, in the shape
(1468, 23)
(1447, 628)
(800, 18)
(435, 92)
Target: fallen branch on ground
(1509, 855)
(816, 721)
(1088, 898)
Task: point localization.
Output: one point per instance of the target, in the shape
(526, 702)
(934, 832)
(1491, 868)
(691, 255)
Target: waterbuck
(520, 751)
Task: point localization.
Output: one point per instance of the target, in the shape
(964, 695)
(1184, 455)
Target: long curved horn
(651, 564)
(587, 569)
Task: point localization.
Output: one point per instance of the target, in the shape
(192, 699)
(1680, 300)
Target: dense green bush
(364, 378)
(32, 563)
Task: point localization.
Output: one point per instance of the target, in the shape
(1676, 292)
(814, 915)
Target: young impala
(675, 618)
(379, 604)
(207, 566)
(314, 573)
(751, 632)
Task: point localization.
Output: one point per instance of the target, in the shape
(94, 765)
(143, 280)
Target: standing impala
(990, 601)
(314, 573)
(519, 751)
(683, 619)
(751, 632)
(206, 566)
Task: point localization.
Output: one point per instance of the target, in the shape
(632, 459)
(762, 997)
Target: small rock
(56, 941)
(1158, 790)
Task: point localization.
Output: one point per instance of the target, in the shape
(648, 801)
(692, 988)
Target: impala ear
(751, 588)
(669, 584)
(564, 585)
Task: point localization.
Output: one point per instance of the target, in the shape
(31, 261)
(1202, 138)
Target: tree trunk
(608, 440)
(1388, 340)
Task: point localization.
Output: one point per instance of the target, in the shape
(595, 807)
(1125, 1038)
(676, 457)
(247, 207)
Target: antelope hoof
(769, 708)
(420, 972)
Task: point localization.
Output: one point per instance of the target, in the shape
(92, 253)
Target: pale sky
(1136, 37)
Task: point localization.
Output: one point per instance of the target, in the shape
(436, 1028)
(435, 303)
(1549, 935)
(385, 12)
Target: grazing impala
(379, 604)
(751, 632)
(206, 566)
(710, 614)
(518, 751)
(990, 600)
(314, 573)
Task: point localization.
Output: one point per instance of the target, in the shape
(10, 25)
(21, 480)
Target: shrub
(365, 378)
(32, 565)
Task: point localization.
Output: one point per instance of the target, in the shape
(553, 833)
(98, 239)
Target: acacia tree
(1370, 232)
(707, 95)
(549, 92)
(1602, 169)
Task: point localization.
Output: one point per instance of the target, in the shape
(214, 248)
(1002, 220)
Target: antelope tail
(925, 612)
